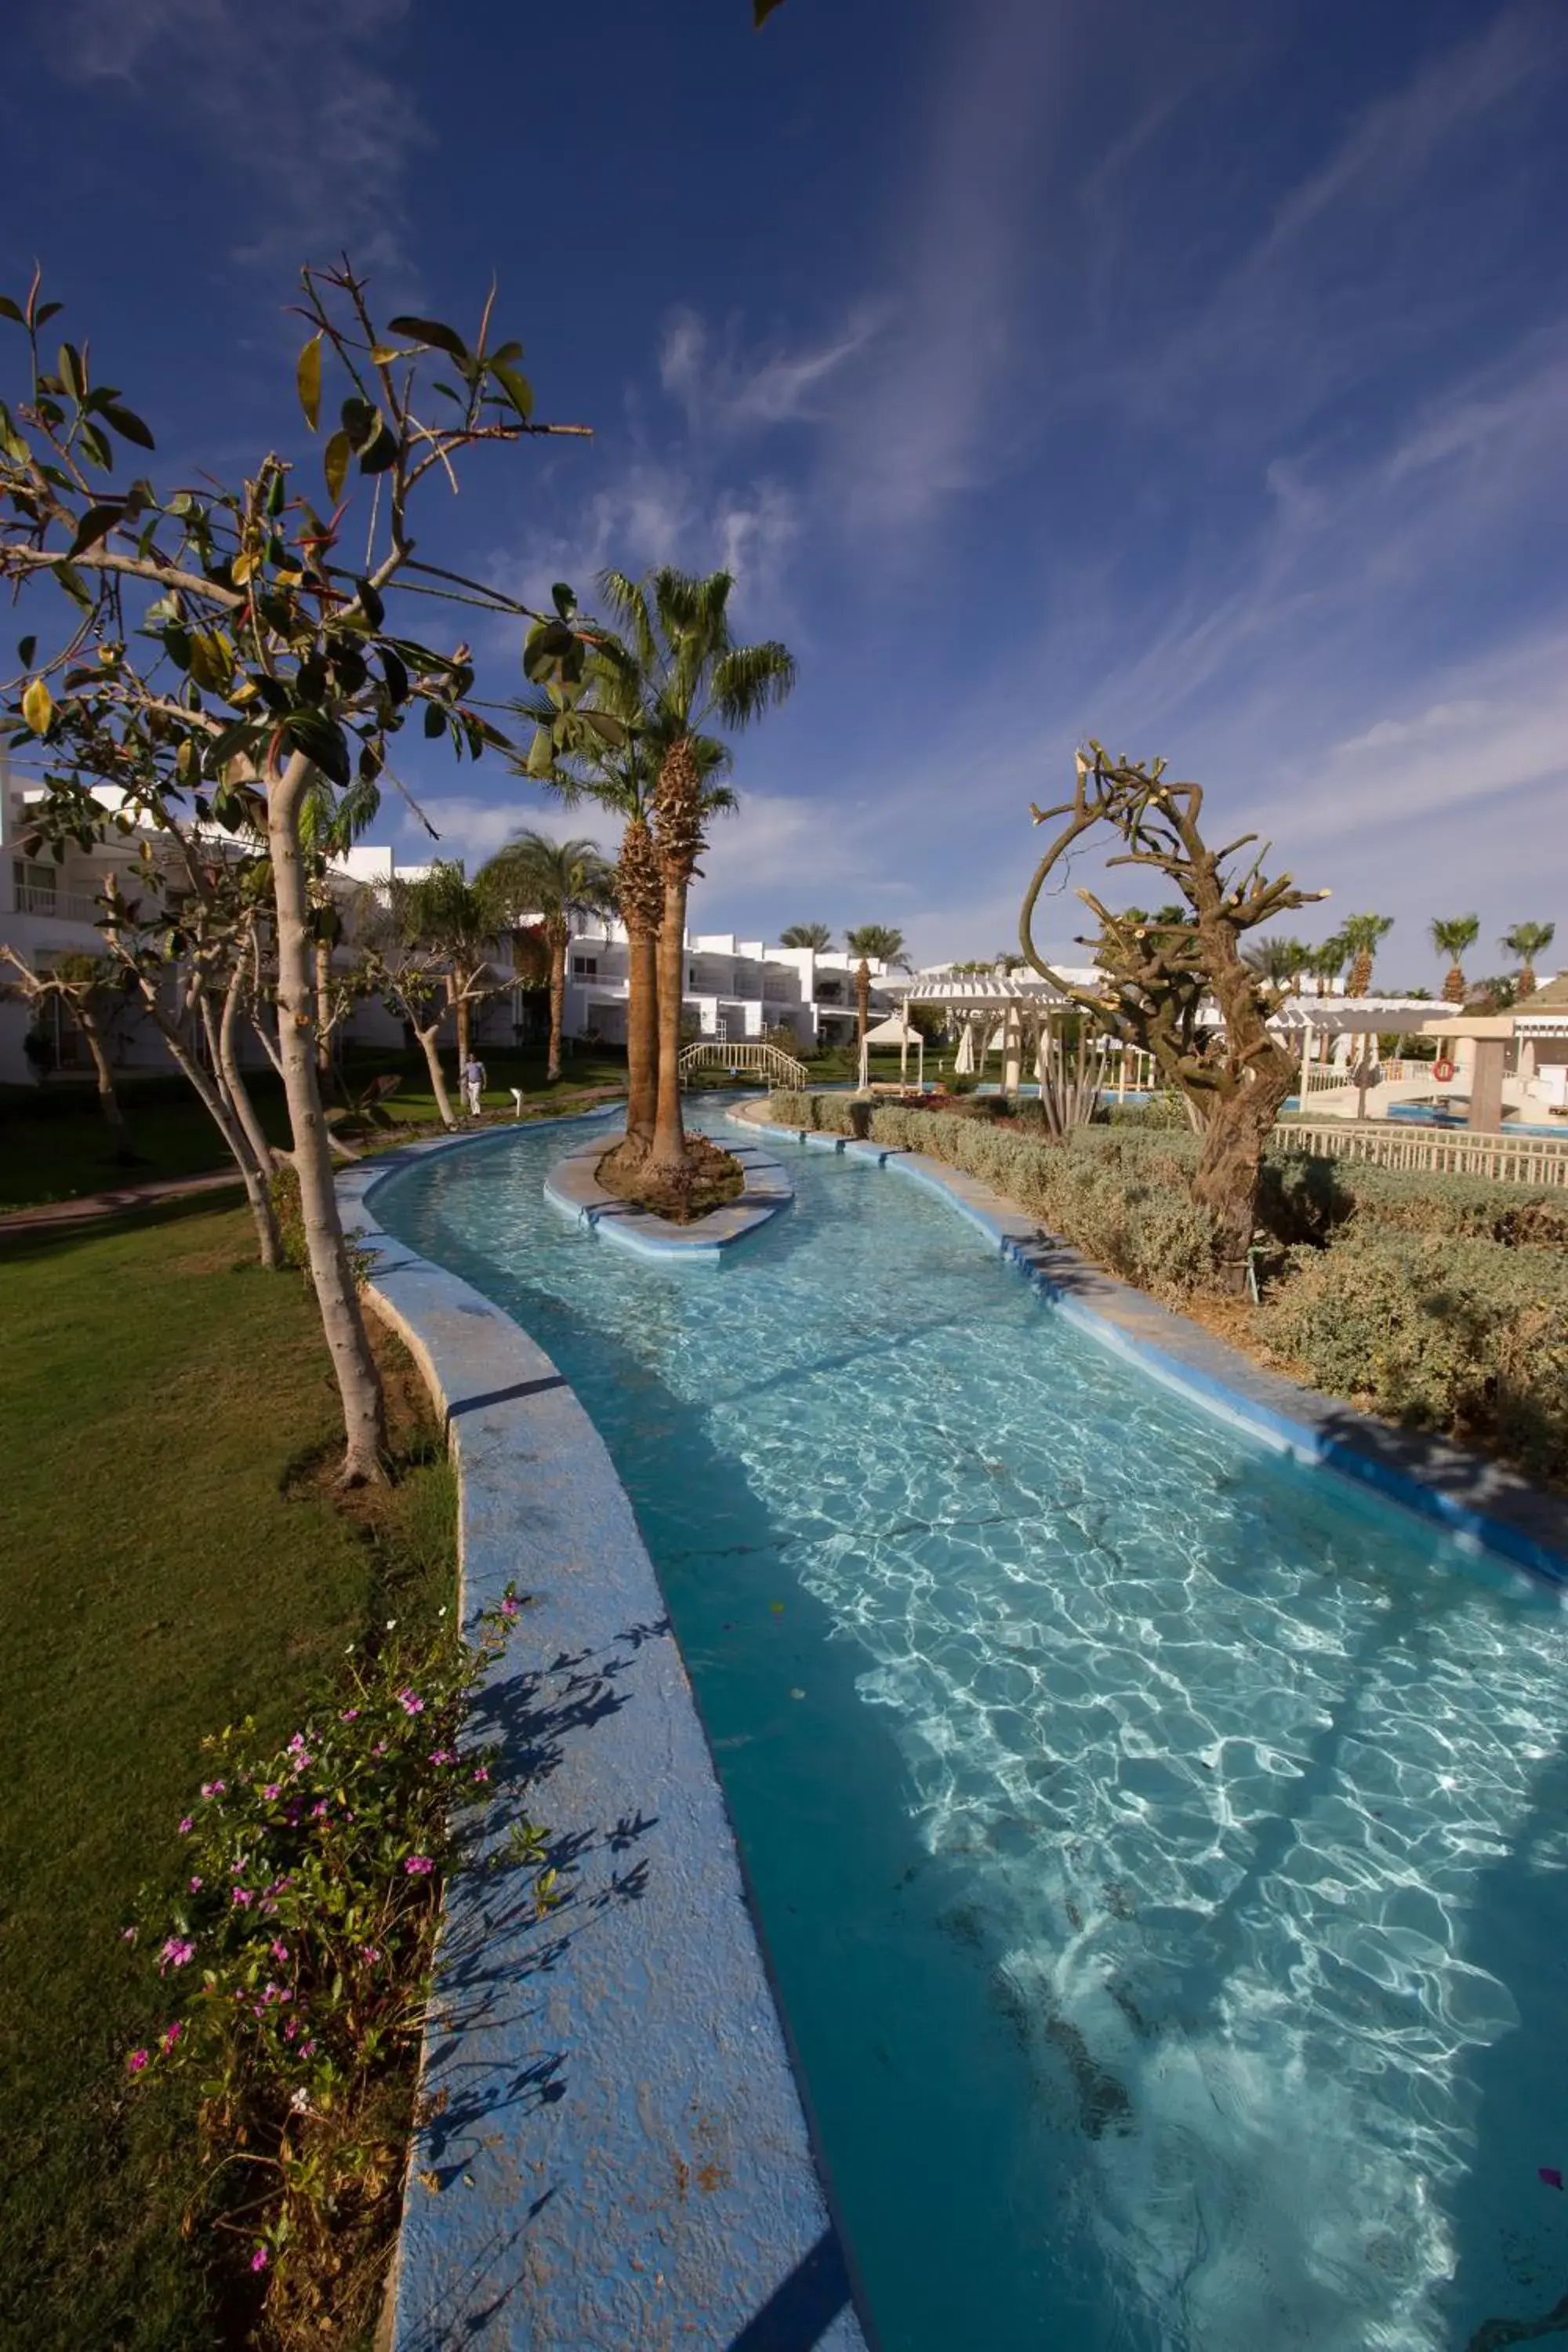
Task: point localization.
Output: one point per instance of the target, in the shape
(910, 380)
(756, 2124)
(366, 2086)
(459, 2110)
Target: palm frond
(749, 679)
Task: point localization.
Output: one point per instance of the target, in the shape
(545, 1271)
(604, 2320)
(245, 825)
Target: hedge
(1458, 1335)
(1440, 1301)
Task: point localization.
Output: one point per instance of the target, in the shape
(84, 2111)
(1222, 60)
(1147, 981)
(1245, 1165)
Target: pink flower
(410, 1702)
(320, 1812)
(482, 1772)
(370, 1952)
(442, 1756)
(196, 1883)
(349, 1714)
(419, 1866)
(170, 2036)
(186, 1826)
(307, 2049)
(128, 1935)
(214, 1787)
(174, 1954)
(380, 1748)
(289, 2029)
(244, 1897)
(259, 2259)
(296, 1745)
(136, 2063)
(509, 1607)
(279, 1952)
(272, 1790)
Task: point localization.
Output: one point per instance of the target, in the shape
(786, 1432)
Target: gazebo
(1012, 1013)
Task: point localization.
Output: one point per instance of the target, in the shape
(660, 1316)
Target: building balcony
(61, 905)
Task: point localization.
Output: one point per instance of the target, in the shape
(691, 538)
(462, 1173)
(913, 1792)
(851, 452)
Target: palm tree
(1281, 959)
(578, 757)
(689, 671)
(1327, 960)
(1528, 940)
(1451, 939)
(806, 935)
(1361, 935)
(873, 944)
(558, 881)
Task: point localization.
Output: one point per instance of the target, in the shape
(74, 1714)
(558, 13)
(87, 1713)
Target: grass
(54, 1145)
(173, 1560)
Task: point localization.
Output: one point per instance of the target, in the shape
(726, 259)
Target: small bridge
(770, 1062)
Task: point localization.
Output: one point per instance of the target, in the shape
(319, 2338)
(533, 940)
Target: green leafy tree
(1362, 935)
(690, 672)
(90, 989)
(807, 935)
(229, 652)
(1453, 936)
(441, 929)
(558, 881)
(872, 944)
(1160, 977)
(1528, 940)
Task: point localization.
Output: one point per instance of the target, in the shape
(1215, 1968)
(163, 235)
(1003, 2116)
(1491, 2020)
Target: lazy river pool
(1162, 1850)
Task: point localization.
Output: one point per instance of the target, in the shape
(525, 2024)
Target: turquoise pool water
(1163, 1851)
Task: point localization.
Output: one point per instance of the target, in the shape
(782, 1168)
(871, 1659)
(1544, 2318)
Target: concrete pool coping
(572, 1188)
(615, 2148)
(1482, 1503)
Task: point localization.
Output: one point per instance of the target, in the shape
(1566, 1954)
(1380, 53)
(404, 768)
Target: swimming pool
(1162, 1850)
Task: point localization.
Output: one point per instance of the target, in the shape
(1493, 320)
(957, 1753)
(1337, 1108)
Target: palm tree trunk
(668, 1159)
(359, 1384)
(1453, 986)
(555, 932)
(642, 1043)
(427, 1039)
(1360, 982)
(1527, 981)
(863, 999)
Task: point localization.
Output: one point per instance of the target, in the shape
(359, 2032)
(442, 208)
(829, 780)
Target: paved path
(88, 1206)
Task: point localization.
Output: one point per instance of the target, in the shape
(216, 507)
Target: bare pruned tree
(1163, 974)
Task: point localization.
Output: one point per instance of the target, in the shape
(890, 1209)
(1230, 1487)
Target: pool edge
(666, 2107)
(1479, 1501)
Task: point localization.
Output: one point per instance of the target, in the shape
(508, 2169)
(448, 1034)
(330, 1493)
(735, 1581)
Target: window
(35, 886)
(584, 967)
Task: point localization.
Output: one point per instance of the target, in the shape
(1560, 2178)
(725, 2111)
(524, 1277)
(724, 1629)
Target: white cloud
(294, 96)
(726, 391)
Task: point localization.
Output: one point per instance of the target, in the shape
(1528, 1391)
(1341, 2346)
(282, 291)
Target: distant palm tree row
(872, 944)
(1288, 961)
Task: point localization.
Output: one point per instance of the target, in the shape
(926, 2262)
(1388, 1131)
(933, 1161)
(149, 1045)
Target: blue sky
(1196, 378)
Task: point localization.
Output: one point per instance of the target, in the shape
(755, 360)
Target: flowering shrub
(295, 1960)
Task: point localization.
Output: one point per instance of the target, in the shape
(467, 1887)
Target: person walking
(473, 1077)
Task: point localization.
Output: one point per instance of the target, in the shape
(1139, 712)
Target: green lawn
(169, 1565)
(54, 1145)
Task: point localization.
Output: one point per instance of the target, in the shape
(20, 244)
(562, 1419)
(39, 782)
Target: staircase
(771, 1062)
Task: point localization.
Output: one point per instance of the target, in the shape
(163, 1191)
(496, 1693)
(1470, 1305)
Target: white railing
(63, 906)
(1389, 1143)
(779, 1068)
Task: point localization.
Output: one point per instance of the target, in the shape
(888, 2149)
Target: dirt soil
(714, 1179)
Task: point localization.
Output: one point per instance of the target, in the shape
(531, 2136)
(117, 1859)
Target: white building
(735, 988)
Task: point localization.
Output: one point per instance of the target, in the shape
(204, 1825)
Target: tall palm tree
(558, 881)
(1361, 935)
(577, 758)
(1451, 938)
(1327, 960)
(690, 671)
(873, 944)
(1528, 940)
(806, 935)
(1281, 959)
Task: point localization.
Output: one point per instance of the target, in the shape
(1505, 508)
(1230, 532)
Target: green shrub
(1443, 1334)
(1161, 1111)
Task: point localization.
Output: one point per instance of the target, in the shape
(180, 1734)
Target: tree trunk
(1453, 986)
(862, 999)
(234, 1079)
(108, 1100)
(460, 1014)
(1360, 982)
(324, 973)
(1236, 1134)
(258, 1192)
(640, 886)
(555, 932)
(359, 1385)
(1527, 981)
(668, 1156)
(642, 1043)
(433, 1064)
